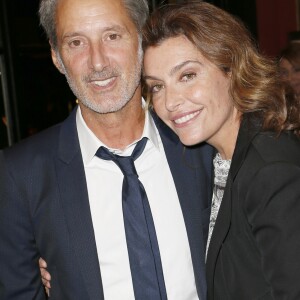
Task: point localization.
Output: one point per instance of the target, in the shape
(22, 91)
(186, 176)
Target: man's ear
(56, 60)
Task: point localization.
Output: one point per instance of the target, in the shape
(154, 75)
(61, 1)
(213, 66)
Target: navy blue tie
(142, 245)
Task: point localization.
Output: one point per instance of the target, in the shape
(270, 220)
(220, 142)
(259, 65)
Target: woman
(208, 82)
(290, 66)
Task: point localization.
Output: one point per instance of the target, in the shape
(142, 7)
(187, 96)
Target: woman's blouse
(221, 169)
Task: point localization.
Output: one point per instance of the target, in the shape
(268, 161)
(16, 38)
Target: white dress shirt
(104, 184)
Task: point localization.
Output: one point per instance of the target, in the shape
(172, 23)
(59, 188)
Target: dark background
(34, 95)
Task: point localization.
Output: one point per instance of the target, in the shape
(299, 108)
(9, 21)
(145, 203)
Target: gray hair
(137, 10)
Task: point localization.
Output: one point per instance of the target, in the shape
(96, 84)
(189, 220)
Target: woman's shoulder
(272, 147)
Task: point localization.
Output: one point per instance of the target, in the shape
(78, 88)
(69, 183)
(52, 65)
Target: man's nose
(98, 57)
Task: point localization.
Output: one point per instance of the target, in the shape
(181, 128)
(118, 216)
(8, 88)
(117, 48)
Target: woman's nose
(173, 99)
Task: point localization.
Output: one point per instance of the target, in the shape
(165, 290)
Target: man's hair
(256, 89)
(138, 11)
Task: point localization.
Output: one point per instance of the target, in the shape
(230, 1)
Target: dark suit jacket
(44, 211)
(255, 247)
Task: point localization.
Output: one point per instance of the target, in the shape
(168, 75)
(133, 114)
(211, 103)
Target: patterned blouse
(221, 169)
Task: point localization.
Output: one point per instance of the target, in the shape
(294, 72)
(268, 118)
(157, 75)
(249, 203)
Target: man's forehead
(92, 14)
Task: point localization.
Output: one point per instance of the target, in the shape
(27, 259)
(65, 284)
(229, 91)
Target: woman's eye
(188, 76)
(155, 88)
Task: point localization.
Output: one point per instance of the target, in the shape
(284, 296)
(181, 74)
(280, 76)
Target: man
(59, 201)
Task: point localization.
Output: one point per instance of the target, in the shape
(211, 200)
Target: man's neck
(119, 129)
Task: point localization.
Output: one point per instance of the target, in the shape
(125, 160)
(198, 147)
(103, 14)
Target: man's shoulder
(45, 141)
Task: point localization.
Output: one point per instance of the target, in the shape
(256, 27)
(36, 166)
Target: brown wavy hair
(256, 88)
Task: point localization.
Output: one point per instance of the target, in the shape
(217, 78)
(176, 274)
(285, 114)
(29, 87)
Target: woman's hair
(256, 88)
(138, 11)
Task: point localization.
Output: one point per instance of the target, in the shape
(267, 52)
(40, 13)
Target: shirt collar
(89, 143)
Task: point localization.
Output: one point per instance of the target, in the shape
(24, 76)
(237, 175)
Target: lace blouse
(221, 169)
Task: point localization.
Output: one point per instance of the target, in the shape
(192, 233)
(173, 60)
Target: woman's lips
(185, 118)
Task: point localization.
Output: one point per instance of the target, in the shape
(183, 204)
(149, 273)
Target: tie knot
(125, 163)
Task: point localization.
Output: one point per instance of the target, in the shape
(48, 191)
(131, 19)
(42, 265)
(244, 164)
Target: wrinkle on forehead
(86, 15)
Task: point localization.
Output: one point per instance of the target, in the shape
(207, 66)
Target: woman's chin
(191, 141)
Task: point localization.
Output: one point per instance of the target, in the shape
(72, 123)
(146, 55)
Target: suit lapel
(75, 203)
(247, 132)
(192, 190)
(220, 231)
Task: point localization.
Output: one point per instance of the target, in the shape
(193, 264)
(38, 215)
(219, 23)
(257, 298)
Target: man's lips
(186, 118)
(103, 83)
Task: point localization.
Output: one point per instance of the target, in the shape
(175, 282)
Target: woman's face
(190, 94)
(291, 74)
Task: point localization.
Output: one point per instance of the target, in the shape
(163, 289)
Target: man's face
(291, 73)
(98, 50)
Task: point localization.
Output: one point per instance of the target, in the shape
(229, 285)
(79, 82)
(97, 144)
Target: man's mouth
(104, 83)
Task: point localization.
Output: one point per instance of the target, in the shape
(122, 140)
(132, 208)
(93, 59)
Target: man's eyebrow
(104, 29)
(114, 27)
(72, 34)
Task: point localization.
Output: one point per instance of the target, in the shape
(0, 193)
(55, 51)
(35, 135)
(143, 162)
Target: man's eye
(75, 43)
(284, 73)
(113, 36)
